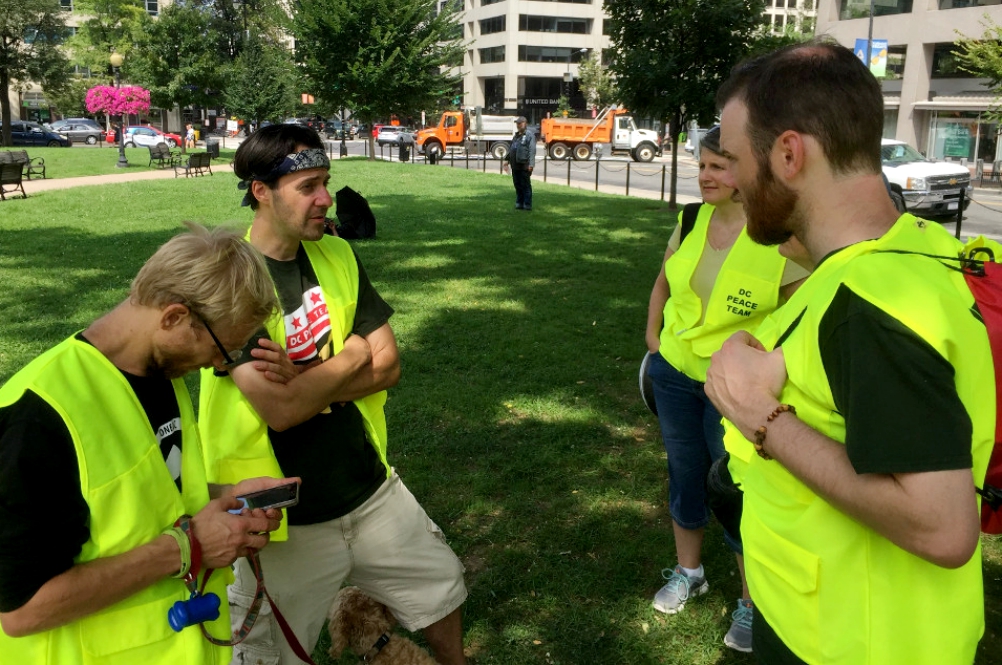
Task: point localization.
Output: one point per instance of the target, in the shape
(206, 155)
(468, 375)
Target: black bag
(355, 218)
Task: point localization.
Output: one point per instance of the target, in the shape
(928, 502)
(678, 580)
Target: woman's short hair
(214, 272)
(711, 140)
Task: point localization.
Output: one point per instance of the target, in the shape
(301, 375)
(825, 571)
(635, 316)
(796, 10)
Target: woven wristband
(184, 545)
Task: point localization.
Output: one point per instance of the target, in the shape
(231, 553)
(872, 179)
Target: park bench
(29, 165)
(163, 155)
(198, 163)
(10, 180)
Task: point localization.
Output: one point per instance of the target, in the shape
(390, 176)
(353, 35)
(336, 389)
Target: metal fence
(610, 174)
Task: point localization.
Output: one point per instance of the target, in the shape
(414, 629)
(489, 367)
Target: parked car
(79, 129)
(172, 140)
(145, 137)
(920, 185)
(23, 132)
(336, 129)
(394, 135)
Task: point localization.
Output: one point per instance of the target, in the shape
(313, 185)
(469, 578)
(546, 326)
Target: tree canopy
(378, 57)
(670, 56)
(180, 58)
(261, 84)
(597, 82)
(30, 34)
(982, 56)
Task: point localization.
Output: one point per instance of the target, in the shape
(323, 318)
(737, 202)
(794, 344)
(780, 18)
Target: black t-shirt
(340, 469)
(900, 404)
(44, 521)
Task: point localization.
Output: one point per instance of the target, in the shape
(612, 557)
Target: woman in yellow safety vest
(714, 281)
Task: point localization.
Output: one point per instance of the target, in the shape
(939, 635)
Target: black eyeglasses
(229, 358)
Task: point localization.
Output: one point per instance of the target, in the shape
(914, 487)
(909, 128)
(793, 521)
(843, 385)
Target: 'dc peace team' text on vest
(835, 591)
(746, 290)
(236, 437)
(132, 498)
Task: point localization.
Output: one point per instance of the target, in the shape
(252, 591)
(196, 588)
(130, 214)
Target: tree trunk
(674, 131)
(5, 138)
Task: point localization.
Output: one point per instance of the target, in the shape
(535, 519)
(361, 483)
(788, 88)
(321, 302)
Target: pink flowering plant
(127, 100)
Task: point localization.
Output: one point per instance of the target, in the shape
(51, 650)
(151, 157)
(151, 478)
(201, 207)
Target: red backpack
(984, 278)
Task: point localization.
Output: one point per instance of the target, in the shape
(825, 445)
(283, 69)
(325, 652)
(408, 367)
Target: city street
(620, 175)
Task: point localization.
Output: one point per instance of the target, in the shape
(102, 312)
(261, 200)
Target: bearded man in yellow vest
(861, 413)
(101, 465)
(310, 404)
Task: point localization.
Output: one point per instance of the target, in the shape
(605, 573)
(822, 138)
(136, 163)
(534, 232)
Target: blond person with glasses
(101, 468)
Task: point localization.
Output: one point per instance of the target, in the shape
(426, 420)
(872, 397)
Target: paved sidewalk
(35, 186)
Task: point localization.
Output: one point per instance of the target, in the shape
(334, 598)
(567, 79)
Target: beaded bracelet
(761, 431)
(184, 545)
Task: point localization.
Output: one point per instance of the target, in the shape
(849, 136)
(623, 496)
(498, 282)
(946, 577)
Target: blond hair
(214, 272)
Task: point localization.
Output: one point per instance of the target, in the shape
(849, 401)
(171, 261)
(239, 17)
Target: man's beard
(770, 207)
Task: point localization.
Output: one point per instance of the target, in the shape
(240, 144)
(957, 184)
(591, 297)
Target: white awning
(957, 103)
(892, 102)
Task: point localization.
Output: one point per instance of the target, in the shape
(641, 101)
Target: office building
(929, 101)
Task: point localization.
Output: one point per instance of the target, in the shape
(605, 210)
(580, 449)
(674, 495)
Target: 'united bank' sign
(539, 101)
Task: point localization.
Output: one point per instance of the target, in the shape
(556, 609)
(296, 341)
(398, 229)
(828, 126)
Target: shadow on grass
(60, 279)
(517, 422)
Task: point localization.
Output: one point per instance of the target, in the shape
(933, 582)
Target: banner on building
(877, 56)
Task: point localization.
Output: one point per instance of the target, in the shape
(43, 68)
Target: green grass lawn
(81, 160)
(517, 421)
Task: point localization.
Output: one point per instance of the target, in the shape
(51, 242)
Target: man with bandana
(309, 400)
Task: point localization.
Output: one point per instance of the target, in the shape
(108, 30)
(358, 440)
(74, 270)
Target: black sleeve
(371, 311)
(896, 393)
(44, 516)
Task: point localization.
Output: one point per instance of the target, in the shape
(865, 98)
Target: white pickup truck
(922, 186)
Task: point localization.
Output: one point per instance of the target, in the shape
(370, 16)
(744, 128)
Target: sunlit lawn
(517, 422)
(83, 160)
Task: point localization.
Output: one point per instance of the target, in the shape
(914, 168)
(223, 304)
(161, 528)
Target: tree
(71, 101)
(670, 56)
(982, 56)
(105, 26)
(378, 57)
(260, 85)
(180, 58)
(30, 34)
(597, 82)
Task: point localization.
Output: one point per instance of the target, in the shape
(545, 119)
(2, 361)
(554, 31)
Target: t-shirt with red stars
(330, 452)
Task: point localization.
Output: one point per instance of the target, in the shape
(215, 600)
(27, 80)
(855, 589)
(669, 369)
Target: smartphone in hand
(280, 496)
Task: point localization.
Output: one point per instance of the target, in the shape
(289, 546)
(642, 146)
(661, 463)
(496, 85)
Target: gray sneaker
(673, 596)
(739, 636)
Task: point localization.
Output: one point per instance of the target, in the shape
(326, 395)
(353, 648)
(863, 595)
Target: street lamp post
(568, 76)
(116, 61)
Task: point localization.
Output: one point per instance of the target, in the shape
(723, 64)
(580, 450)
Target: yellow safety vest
(236, 437)
(746, 290)
(834, 590)
(132, 499)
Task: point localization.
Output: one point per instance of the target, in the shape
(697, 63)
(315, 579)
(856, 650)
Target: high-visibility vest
(132, 499)
(834, 590)
(746, 290)
(236, 437)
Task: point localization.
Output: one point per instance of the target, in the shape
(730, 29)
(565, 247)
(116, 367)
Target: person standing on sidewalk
(714, 280)
(521, 160)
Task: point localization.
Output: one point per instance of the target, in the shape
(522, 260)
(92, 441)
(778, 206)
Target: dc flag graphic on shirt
(306, 326)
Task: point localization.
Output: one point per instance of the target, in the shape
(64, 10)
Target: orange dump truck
(615, 127)
(469, 129)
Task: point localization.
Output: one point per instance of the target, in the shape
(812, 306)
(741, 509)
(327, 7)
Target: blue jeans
(523, 187)
(693, 437)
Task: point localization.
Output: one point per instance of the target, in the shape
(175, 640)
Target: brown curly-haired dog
(363, 625)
